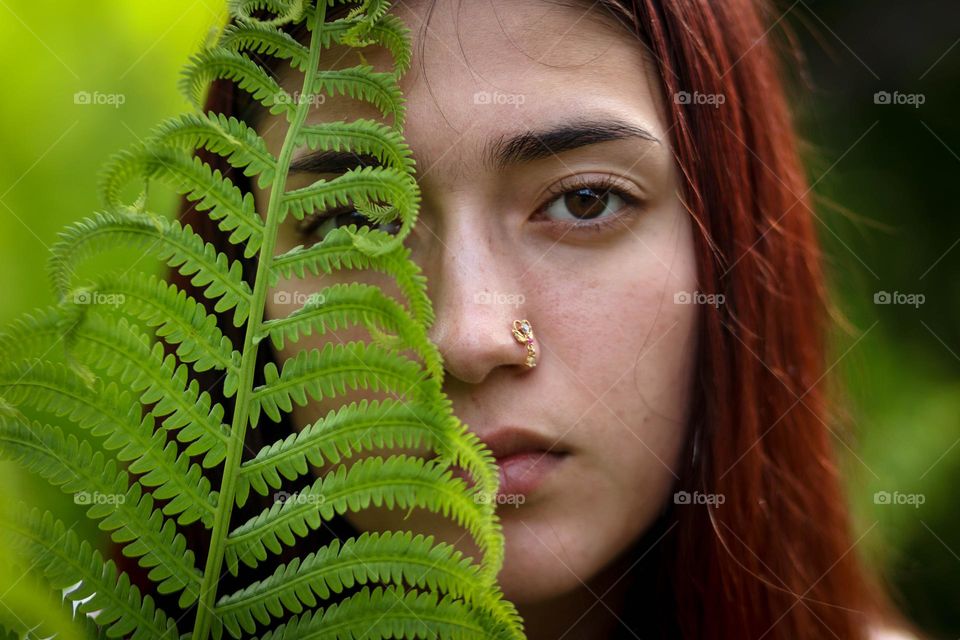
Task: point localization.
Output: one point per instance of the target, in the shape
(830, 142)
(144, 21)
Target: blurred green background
(877, 107)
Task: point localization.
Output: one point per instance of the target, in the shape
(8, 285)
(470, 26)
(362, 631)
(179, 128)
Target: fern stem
(221, 524)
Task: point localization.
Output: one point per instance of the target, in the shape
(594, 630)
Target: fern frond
(393, 613)
(362, 137)
(220, 63)
(96, 337)
(399, 481)
(342, 433)
(338, 306)
(397, 558)
(379, 88)
(92, 585)
(343, 305)
(365, 184)
(285, 10)
(178, 246)
(265, 39)
(388, 31)
(228, 137)
(122, 385)
(122, 507)
(36, 334)
(194, 178)
(366, 15)
(339, 250)
(328, 372)
(104, 410)
(127, 355)
(177, 317)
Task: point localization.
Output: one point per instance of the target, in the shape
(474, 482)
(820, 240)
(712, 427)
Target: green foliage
(120, 421)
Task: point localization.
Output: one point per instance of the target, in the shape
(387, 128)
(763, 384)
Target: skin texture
(616, 353)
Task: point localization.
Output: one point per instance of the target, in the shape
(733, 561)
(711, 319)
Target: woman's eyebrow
(528, 146)
(327, 161)
(500, 153)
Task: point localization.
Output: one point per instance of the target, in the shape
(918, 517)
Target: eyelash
(601, 185)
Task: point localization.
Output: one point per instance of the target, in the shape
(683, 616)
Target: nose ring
(523, 333)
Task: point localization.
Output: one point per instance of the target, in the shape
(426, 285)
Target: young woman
(622, 176)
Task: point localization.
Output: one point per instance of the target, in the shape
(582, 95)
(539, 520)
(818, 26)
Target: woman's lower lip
(522, 473)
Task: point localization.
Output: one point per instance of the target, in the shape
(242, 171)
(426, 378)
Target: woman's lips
(522, 473)
(524, 458)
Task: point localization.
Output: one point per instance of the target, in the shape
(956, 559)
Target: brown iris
(586, 203)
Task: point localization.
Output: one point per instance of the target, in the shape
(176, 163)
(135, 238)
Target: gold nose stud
(523, 333)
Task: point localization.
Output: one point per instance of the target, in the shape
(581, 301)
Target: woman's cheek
(623, 353)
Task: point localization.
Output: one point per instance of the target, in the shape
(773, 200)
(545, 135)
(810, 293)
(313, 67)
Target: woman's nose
(476, 299)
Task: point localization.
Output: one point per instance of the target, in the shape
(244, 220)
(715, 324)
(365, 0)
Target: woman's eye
(585, 204)
(320, 224)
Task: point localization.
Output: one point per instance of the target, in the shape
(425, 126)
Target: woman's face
(513, 230)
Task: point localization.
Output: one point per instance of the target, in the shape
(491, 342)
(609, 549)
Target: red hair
(777, 559)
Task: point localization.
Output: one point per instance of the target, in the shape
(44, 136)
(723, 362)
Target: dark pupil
(586, 203)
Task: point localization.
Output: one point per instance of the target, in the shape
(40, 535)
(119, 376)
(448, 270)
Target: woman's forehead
(543, 30)
(490, 70)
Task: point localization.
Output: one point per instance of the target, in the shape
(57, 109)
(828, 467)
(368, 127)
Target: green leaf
(36, 334)
(397, 482)
(178, 318)
(218, 62)
(365, 184)
(398, 558)
(266, 40)
(287, 10)
(339, 250)
(392, 613)
(121, 356)
(224, 135)
(342, 433)
(388, 31)
(379, 88)
(363, 137)
(125, 354)
(192, 177)
(91, 584)
(178, 246)
(122, 506)
(325, 373)
(345, 305)
(104, 410)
